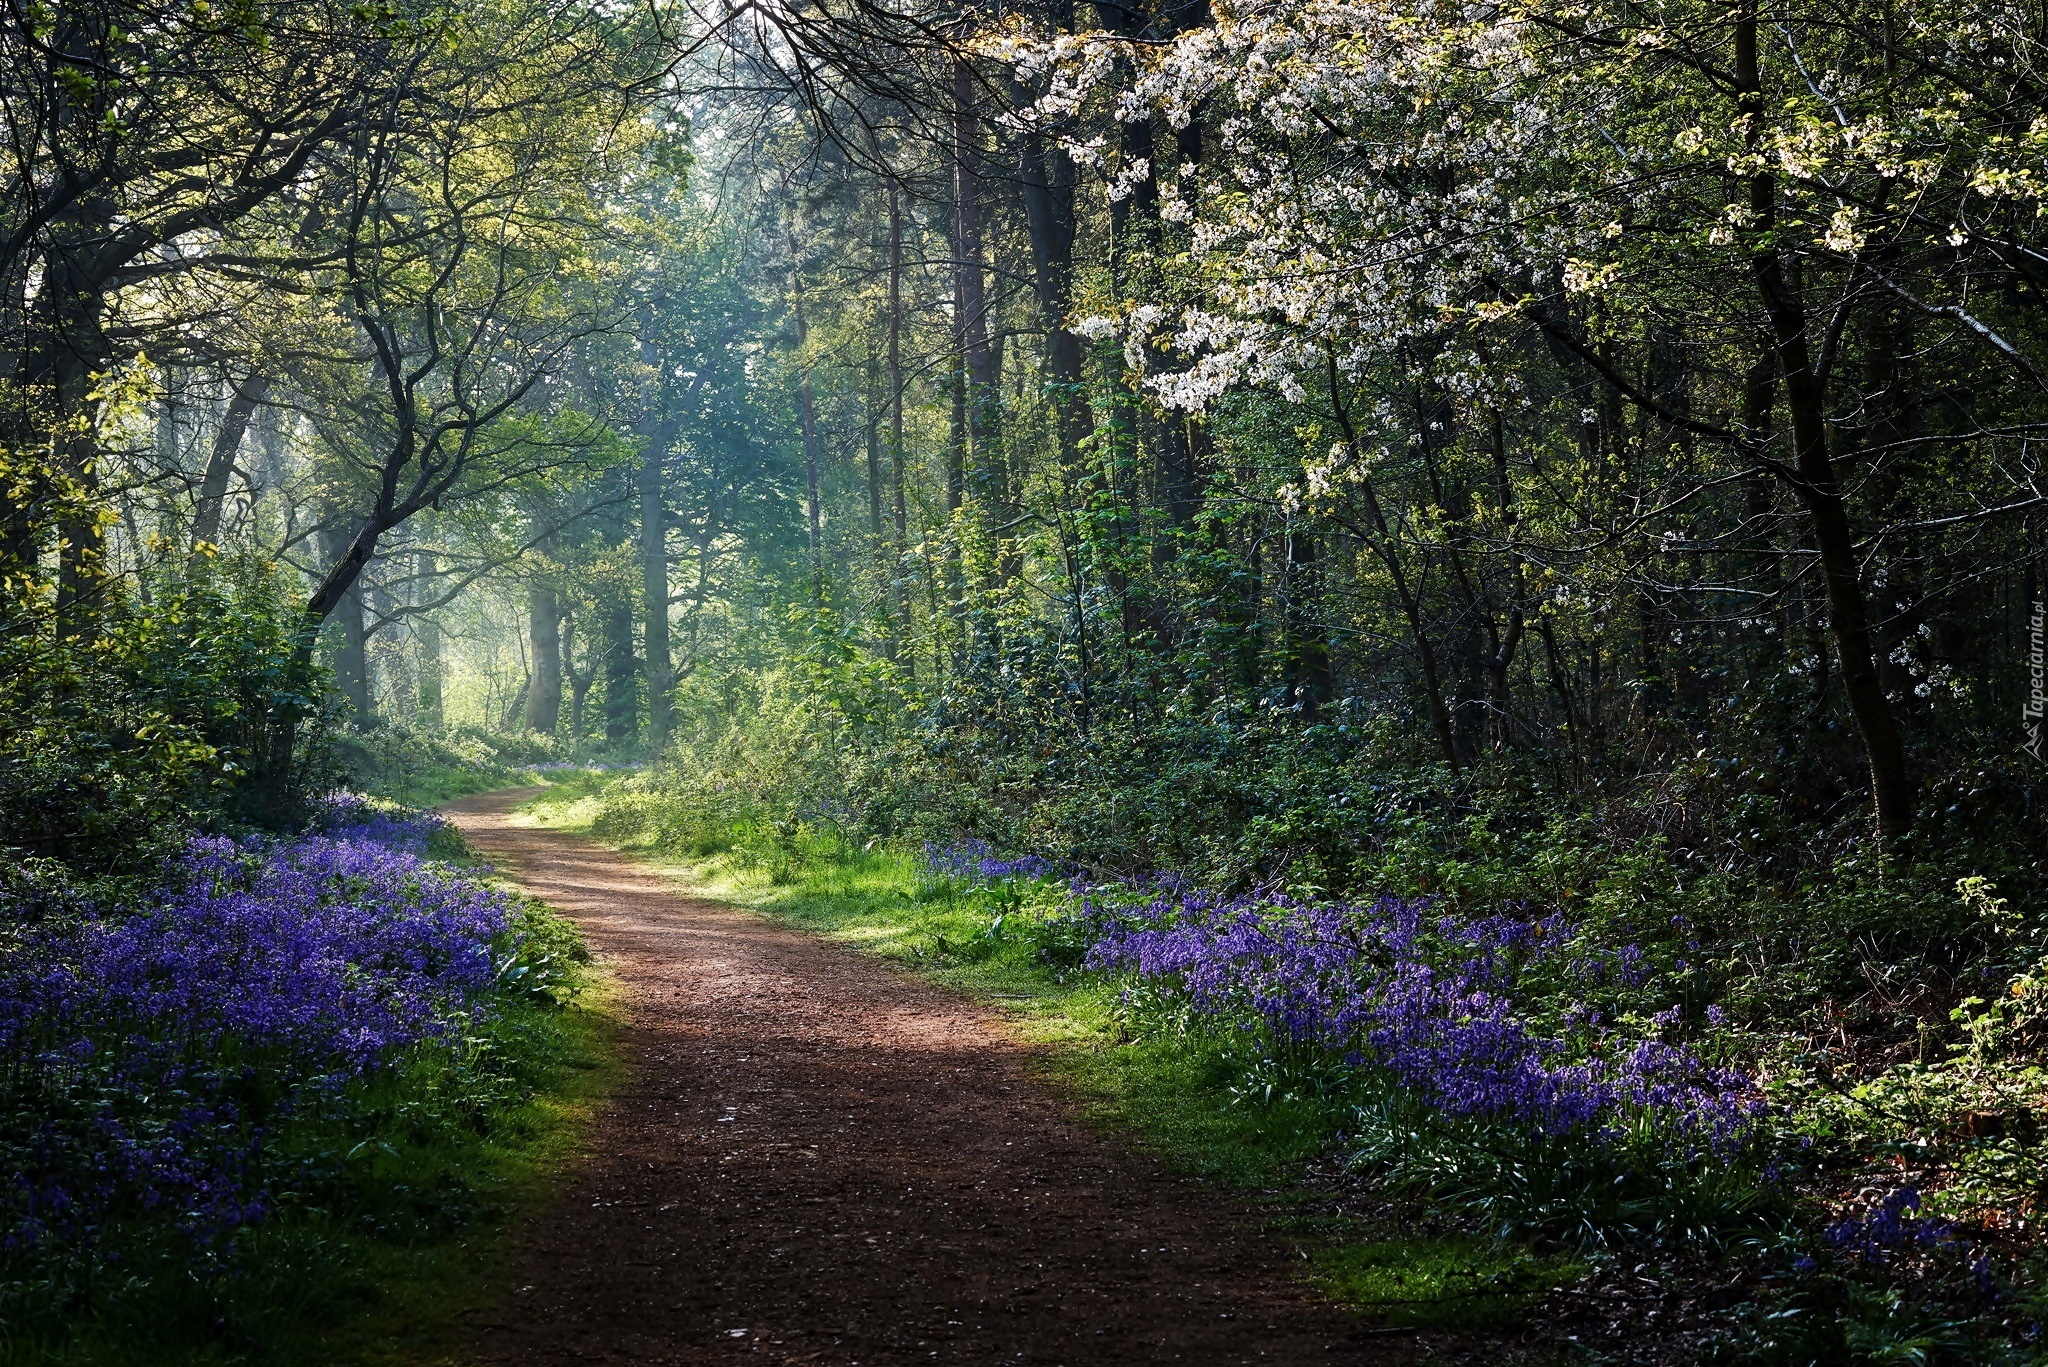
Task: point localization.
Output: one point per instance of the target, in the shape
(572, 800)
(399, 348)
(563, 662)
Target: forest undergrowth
(1495, 1061)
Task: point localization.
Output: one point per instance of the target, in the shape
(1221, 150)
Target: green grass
(1182, 1096)
(385, 1277)
(1439, 1281)
(432, 785)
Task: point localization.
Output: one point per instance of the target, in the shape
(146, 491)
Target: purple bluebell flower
(1431, 1001)
(976, 862)
(159, 1042)
(1893, 1224)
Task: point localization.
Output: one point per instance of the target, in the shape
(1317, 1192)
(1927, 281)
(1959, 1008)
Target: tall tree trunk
(1047, 176)
(544, 637)
(427, 633)
(807, 417)
(351, 658)
(879, 541)
(970, 298)
(654, 589)
(580, 680)
(956, 472)
(272, 437)
(896, 452)
(69, 354)
(220, 463)
(621, 673)
(874, 451)
(1777, 281)
(173, 419)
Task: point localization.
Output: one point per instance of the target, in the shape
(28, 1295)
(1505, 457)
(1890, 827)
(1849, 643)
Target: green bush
(424, 764)
(184, 702)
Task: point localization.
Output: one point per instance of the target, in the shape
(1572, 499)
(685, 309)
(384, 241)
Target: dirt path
(817, 1159)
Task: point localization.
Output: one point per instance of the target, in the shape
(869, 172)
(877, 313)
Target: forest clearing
(855, 681)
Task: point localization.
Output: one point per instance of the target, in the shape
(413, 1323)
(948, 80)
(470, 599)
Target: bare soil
(814, 1158)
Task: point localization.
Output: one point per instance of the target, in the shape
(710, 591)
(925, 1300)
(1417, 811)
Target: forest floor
(813, 1157)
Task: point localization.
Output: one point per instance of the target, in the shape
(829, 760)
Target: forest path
(814, 1158)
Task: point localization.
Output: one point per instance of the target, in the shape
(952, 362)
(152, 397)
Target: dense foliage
(166, 713)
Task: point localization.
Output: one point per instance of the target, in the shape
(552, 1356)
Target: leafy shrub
(186, 703)
(424, 764)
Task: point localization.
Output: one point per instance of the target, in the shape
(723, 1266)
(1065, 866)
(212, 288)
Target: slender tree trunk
(876, 536)
(580, 680)
(807, 417)
(69, 353)
(654, 589)
(978, 357)
(1891, 786)
(544, 636)
(271, 438)
(896, 452)
(621, 673)
(617, 604)
(956, 485)
(220, 464)
(1047, 175)
(427, 633)
(874, 452)
(352, 660)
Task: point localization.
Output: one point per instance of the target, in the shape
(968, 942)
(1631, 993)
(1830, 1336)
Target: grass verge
(1184, 1096)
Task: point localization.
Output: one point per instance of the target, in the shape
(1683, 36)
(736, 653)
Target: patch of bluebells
(1438, 1003)
(976, 861)
(349, 816)
(152, 1051)
(1894, 1225)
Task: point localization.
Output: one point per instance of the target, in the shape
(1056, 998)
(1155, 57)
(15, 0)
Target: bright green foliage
(423, 767)
(160, 710)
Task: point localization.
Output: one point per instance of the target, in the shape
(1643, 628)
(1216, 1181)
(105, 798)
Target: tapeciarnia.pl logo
(2037, 680)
